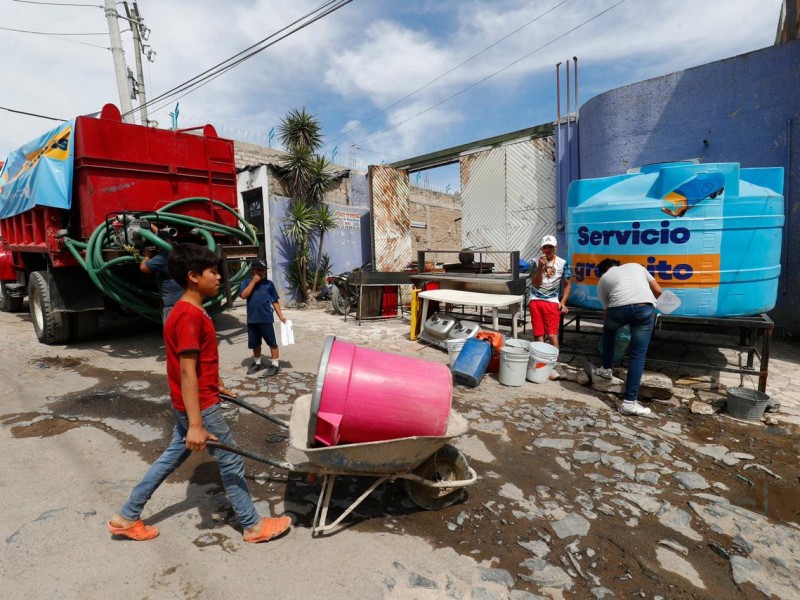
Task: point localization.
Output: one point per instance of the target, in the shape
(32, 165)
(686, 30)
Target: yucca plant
(307, 177)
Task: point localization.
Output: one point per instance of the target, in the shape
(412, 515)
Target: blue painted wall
(347, 247)
(744, 109)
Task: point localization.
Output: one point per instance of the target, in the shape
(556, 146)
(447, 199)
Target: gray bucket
(746, 404)
(513, 365)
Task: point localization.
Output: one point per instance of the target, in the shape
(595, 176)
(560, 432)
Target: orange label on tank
(686, 271)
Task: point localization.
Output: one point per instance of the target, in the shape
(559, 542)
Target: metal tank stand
(750, 329)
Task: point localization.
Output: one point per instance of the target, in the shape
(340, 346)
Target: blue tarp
(39, 173)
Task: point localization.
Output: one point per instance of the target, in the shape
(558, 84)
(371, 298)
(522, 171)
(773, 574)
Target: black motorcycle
(344, 295)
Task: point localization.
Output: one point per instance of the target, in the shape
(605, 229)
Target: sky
(387, 79)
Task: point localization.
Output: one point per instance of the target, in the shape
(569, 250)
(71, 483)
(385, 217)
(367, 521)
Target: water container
(709, 233)
(496, 339)
(540, 362)
(454, 347)
(470, 366)
(513, 365)
(365, 395)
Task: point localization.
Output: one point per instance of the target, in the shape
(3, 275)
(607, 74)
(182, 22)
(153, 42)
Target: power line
(30, 114)
(210, 74)
(458, 66)
(57, 3)
(47, 32)
(508, 66)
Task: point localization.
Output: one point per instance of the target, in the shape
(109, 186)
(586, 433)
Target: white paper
(287, 333)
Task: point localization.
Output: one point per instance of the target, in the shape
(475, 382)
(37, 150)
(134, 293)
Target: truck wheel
(9, 303)
(51, 327)
(338, 301)
(83, 325)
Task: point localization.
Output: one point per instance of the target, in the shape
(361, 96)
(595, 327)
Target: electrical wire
(30, 114)
(47, 32)
(435, 79)
(212, 73)
(209, 78)
(58, 3)
(508, 66)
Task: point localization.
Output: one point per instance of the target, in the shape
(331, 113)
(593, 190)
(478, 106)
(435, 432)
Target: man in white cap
(546, 284)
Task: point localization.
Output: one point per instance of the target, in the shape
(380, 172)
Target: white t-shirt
(551, 284)
(626, 284)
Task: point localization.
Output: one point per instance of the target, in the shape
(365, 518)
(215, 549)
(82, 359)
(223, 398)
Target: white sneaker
(634, 409)
(604, 373)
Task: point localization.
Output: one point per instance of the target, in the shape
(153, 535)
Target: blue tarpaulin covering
(39, 173)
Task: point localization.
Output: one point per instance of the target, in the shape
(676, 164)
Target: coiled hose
(146, 302)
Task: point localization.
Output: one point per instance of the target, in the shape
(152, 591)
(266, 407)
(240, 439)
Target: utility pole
(120, 68)
(138, 29)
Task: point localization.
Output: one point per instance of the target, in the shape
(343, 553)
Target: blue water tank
(709, 233)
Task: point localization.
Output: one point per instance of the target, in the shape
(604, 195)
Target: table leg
(495, 319)
(422, 317)
(514, 326)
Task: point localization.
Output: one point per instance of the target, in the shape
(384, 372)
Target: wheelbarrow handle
(255, 409)
(250, 454)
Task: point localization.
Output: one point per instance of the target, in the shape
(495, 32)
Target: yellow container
(415, 311)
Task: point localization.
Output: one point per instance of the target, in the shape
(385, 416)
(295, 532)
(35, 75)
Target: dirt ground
(115, 385)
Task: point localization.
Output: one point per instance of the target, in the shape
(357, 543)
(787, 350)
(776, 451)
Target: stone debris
(761, 468)
(691, 481)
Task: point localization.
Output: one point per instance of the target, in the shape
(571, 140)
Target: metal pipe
(254, 409)
(786, 204)
(568, 132)
(558, 93)
(575, 58)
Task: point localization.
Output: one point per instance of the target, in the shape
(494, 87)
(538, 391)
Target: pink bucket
(367, 396)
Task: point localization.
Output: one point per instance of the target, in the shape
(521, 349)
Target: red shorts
(545, 317)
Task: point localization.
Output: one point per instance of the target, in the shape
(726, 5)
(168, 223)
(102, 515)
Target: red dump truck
(80, 207)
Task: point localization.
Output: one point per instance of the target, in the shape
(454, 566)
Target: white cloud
(356, 62)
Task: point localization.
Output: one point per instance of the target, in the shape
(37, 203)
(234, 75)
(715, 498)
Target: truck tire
(51, 327)
(9, 303)
(83, 325)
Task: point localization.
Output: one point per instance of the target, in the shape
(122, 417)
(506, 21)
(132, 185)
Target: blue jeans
(231, 468)
(641, 318)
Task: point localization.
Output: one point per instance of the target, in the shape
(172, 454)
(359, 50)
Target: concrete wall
(744, 109)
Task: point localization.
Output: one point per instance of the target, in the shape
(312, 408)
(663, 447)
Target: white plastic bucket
(540, 363)
(517, 343)
(513, 365)
(454, 348)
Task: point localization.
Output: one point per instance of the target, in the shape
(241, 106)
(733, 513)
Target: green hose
(145, 302)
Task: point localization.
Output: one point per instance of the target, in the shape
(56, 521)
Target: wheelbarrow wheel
(446, 464)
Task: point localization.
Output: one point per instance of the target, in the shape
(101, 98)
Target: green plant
(307, 177)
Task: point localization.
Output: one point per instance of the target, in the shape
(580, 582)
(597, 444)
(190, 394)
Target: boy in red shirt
(193, 374)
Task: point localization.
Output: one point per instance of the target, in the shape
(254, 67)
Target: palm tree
(307, 177)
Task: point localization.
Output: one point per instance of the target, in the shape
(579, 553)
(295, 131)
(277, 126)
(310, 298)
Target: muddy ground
(525, 486)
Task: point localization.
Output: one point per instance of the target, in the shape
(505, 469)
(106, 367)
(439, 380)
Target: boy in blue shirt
(262, 300)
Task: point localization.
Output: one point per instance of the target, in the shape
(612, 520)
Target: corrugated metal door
(483, 202)
(530, 194)
(509, 198)
(390, 199)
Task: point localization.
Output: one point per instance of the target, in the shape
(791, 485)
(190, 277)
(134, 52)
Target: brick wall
(442, 215)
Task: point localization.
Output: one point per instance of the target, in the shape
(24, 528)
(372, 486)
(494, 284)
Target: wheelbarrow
(433, 473)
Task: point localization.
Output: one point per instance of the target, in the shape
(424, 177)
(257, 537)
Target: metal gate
(508, 197)
(390, 197)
